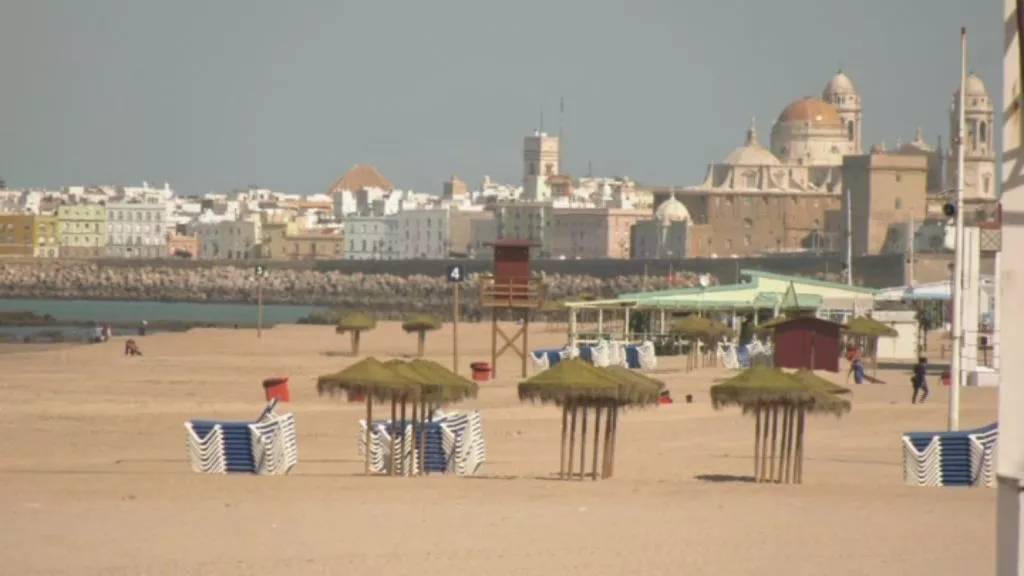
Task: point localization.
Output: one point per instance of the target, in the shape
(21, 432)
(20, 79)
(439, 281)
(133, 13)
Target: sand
(94, 477)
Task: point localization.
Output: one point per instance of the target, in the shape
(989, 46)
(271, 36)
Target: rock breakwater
(389, 296)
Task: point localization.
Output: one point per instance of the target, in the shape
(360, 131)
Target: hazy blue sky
(215, 94)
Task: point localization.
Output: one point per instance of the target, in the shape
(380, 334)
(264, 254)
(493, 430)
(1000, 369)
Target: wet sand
(95, 479)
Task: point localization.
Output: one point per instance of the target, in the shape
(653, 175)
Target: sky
(212, 95)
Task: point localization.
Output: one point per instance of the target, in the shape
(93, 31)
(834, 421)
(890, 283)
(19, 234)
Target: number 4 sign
(456, 273)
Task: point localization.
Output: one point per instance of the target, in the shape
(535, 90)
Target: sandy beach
(95, 479)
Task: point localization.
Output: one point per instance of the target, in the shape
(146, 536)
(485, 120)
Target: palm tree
(421, 324)
(355, 324)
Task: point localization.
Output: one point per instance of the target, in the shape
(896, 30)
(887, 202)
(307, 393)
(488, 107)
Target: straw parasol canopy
(635, 389)
(868, 327)
(716, 329)
(572, 380)
(825, 385)
(368, 377)
(356, 322)
(453, 388)
(762, 387)
(692, 326)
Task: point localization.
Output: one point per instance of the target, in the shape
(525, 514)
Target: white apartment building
(371, 238)
(424, 234)
(137, 228)
(229, 239)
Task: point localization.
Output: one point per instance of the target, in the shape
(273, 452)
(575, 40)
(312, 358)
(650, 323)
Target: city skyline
(291, 97)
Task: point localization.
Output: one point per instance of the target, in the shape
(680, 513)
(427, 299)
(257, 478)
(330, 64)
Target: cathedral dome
(812, 111)
(752, 153)
(839, 84)
(672, 210)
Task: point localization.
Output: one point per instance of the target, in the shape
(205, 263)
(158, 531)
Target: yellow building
(82, 230)
(47, 236)
(287, 242)
(17, 234)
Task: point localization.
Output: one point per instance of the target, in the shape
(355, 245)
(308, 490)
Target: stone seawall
(386, 294)
(389, 288)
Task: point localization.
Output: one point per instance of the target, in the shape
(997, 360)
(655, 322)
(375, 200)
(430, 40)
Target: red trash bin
(277, 387)
(946, 378)
(481, 371)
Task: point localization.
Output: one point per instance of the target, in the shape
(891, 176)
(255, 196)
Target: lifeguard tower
(511, 288)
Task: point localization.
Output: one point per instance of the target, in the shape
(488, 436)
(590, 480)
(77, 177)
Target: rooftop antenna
(590, 168)
(561, 139)
(542, 119)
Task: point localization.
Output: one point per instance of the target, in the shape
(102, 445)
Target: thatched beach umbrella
(579, 388)
(438, 386)
(867, 331)
(421, 324)
(694, 329)
(374, 380)
(355, 324)
(766, 392)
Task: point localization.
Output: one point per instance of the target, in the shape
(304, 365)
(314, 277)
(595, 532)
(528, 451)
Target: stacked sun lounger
(964, 458)
(265, 446)
(454, 444)
(604, 353)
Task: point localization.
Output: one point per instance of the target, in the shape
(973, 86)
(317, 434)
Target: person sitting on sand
(919, 380)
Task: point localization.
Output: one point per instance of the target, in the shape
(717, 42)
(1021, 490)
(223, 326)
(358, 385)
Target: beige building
(886, 192)
(979, 142)
(82, 230)
(287, 242)
(463, 229)
(47, 237)
(483, 233)
(667, 235)
(523, 220)
(592, 233)
(541, 160)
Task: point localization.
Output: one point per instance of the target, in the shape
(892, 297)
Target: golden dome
(811, 111)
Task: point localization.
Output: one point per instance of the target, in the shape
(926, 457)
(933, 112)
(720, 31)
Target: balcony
(511, 293)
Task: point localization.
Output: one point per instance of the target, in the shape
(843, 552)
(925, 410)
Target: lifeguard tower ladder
(511, 288)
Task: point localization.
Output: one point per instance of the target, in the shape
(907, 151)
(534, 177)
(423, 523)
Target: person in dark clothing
(919, 380)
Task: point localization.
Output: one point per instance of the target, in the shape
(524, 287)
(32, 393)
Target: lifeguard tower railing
(511, 292)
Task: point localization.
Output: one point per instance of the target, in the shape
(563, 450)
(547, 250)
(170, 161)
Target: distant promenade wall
(390, 287)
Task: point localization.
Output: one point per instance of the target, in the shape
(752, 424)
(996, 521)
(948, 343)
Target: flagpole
(956, 286)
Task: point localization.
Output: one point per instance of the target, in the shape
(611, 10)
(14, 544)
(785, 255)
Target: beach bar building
(760, 293)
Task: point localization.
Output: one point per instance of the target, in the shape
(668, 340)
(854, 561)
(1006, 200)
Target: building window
(849, 130)
(899, 203)
(983, 133)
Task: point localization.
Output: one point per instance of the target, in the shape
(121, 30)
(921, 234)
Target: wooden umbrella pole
(597, 442)
(784, 446)
(402, 470)
(583, 441)
(791, 470)
(572, 441)
(615, 434)
(369, 423)
(606, 454)
(423, 436)
(757, 443)
(394, 416)
(764, 446)
(775, 425)
(417, 464)
(799, 474)
(565, 430)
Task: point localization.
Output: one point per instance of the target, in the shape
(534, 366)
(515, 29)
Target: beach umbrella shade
(769, 393)
(814, 381)
(867, 327)
(771, 325)
(374, 380)
(691, 327)
(355, 324)
(420, 324)
(579, 388)
(635, 389)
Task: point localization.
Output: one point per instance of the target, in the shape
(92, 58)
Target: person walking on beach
(855, 357)
(919, 380)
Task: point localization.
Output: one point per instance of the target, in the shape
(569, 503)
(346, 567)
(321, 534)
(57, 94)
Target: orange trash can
(277, 387)
(481, 371)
